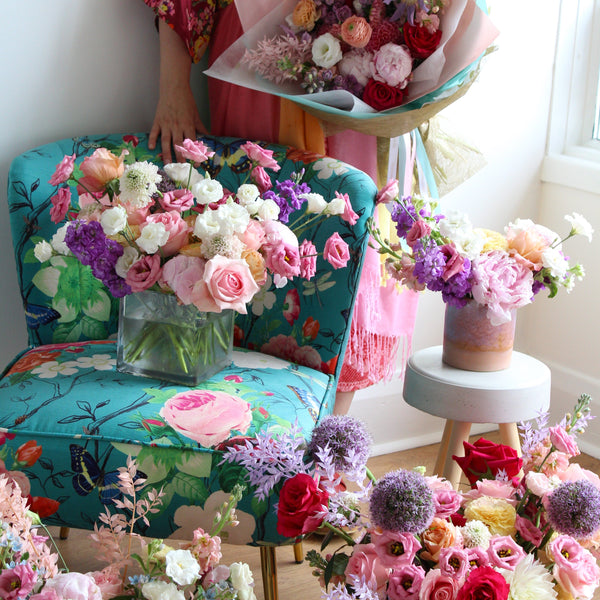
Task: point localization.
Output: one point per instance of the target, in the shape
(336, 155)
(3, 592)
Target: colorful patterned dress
(384, 316)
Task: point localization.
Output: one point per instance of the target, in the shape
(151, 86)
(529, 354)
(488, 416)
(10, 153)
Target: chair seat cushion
(82, 417)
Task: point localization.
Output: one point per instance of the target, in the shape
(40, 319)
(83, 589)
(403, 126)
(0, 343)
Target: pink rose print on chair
(207, 417)
(291, 306)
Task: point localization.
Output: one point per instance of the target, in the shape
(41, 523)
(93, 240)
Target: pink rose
(394, 547)
(179, 200)
(207, 417)
(291, 306)
(61, 202)
(494, 488)
(563, 441)
(365, 563)
(437, 586)
(418, 230)
(254, 235)
(261, 179)
(454, 562)
(176, 227)
(348, 215)
(389, 192)
(530, 241)
(17, 582)
(260, 155)
(405, 582)
(226, 284)
(446, 500)
(194, 150)
(180, 274)
(393, 65)
(504, 552)
(100, 168)
(144, 273)
(308, 259)
(63, 171)
(336, 251)
(74, 586)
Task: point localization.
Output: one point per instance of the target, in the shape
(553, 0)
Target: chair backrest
(306, 321)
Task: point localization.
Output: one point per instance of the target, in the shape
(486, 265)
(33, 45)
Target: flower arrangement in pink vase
(134, 566)
(528, 527)
(499, 271)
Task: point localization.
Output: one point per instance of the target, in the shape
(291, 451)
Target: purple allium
(574, 508)
(344, 436)
(402, 501)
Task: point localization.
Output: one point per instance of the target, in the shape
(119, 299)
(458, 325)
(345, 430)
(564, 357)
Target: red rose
(300, 498)
(484, 583)
(483, 460)
(420, 41)
(381, 96)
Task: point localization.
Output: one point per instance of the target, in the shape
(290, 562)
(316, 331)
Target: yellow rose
(305, 14)
(498, 514)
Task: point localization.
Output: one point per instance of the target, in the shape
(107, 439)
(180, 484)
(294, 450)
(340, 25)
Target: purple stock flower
(430, 264)
(574, 508)
(287, 197)
(402, 501)
(404, 214)
(83, 239)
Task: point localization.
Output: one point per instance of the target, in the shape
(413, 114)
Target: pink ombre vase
(472, 343)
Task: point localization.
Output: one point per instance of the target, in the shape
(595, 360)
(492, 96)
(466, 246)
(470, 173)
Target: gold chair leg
(63, 534)
(268, 565)
(298, 553)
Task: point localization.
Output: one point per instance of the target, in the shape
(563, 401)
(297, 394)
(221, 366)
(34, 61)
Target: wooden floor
(295, 580)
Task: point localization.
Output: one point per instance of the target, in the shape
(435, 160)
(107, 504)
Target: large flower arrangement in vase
(182, 253)
(484, 276)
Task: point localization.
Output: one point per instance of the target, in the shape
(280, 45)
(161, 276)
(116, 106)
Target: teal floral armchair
(68, 419)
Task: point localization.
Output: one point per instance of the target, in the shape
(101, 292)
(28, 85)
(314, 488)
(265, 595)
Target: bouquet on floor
(135, 567)
(529, 527)
(500, 271)
(347, 61)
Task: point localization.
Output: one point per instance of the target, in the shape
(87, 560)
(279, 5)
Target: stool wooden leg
(443, 449)
(298, 553)
(63, 534)
(268, 566)
(509, 435)
(460, 433)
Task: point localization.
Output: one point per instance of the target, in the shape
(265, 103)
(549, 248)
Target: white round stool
(505, 398)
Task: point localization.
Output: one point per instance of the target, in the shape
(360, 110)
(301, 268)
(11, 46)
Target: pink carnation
(63, 171)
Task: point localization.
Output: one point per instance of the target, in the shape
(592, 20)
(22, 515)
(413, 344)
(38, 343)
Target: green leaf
(93, 329)
(67, 332)
(99, 305)
(192, 488)
(259, 507)
(229, 475)
(46, 280)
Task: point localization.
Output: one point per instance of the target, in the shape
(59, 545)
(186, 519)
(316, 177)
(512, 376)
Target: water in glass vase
(162, 339)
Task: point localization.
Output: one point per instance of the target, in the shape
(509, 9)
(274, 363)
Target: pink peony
(226, 284)
(177, 228)
(109, 581)
(502, 284)
(144, 273)
(179, 200)
(63, 171)
(405, 582)
(437, 586)
(394, 547)
(366, 563)
(194, 150)
(61, 202)
(207, 417)
(260, 155)
(74, 586)
(393, 65)
(359, 64)
(336, 251)
(308, 259)
(388, 192)
(181, 273)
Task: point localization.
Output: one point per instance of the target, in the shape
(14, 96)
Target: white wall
(74, 67)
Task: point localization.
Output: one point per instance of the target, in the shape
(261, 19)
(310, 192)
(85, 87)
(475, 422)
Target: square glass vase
(160, 338)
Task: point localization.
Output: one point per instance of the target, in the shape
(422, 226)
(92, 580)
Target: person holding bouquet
(384, 316)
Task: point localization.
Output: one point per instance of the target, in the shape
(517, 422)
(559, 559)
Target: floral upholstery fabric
(64, 397)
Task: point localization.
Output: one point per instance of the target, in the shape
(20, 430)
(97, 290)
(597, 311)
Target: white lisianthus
(130, 255)
(457, 227)
(154, 235)
(58, 241)
(326, 51)
(315, 203)
(207, 224)
(254, 207)
(183, 174)
(207, 191)
(113, 220)
(247, 193)
(161, 590)
(42, 251)
(242, 580)
(554, 260)
(540, 484)
(337, 206)
(530, 580)
(580, 226)
(182, 567)
(138, 183)
(268, 210)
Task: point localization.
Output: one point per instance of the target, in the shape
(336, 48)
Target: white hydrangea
(138, 183)
(153, 236)
(247, 193)
(182, 567)
(183, 174)
(326, 51)
(113, 220)
(207, 191)
(315, 203)
(42, 251)
(58, 241)
(130, 255)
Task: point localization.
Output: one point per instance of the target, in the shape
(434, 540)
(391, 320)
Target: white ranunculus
(247, 193)
(268, 210)
(242, 580)
(457, 227)
(554, 259)
(181, 173)
(182, 567)
(580, 225)
(58, 241)
(42, 251)
(315, 202)
(337, 206)
(113, 220)
(207, 191)
(234, 218)
(161, 590)
(207, 224)
(326, 51)
(154, 235)
(124, 262)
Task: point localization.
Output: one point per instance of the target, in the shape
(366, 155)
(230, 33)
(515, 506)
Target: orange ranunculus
(100, 168)
(356, 31)
(305, 14)
(28, 453)
(440, 534)
(31, 360)
(310, 329)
